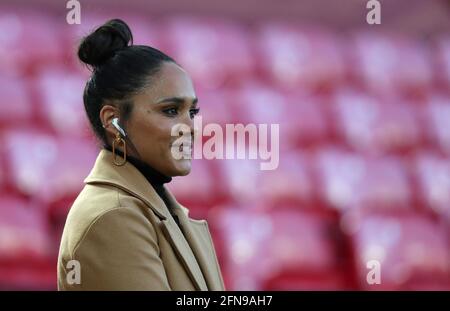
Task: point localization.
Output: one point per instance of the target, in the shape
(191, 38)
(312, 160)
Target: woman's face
(170, 100)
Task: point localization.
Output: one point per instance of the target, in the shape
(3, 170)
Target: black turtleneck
(154, 177)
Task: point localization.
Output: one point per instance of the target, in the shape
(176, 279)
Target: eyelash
(193, 112)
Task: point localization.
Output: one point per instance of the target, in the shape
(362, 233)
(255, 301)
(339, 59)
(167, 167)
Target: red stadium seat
(25, 249)
(350, 180)
(437, 113)
(299, 116)
(2, 172)
(226, 58)
(371, 125)
(46, 167)
(384, 63)
(23, 230)
(239, 178)
(295, 58)
(411, 249)
(30, 40)
(61, 101)
(432, 174)
(443, 61)
(16, 105)
(291, 182)
(261, 246)
(216, 106)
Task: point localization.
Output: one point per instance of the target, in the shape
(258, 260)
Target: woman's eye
(171, 111)
(194, 112)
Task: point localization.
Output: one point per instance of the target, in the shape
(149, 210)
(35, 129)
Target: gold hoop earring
(119, 140)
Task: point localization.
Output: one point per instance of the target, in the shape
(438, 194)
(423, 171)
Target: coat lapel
(184, 251)
(198, 236)
(129, 179)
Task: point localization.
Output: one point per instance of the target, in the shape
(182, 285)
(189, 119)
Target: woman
(125, 230)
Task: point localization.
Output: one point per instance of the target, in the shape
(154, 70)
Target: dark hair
(119, 70)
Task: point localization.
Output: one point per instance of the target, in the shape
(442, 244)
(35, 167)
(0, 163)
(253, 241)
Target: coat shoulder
(100, 236)
(92, 203)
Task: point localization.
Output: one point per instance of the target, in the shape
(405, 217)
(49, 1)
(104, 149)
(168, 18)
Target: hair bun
(102, 43)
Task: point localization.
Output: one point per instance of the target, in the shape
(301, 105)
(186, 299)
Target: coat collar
(193, 245)
(128, 178)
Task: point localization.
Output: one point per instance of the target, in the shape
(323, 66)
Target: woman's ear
(107, 114)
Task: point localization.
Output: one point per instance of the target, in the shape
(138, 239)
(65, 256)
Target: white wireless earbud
(115, 123)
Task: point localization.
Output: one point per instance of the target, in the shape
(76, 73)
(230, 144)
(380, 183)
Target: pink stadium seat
(216, 106)
(32, 39)
(384, 63)
(2, 173)
(239, 178)
(350, 180)
(373, 125)
(226, 58)
(295, 58)
(61, 101)
(443, 61)
(23, 230)
(25, 249)
(290, 182)
(299, 116)
(16, 105)
(261, 246)
(432, 174)
(437, 115)
(46, 167)
(411, 249)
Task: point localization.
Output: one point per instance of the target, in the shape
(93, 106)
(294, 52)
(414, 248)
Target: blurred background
(364, 114)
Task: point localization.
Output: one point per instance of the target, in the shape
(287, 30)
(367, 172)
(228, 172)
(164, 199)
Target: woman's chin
(182, 167)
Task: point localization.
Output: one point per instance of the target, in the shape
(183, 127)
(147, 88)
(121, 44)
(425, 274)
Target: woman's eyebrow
(176, 100)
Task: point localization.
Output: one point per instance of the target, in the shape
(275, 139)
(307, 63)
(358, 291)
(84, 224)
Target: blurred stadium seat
(298, 58)
(59, 92)
(443, 61)
(216, 106)
(384, 63)
(266, 249)
(25, 261)
(47, 167)
(16, 104)
(32, 40)
(300, 117)
(369, 124)
(23, 229)
(412, 250)
(348, 180)
(225, 58)
(432, 174)
(437, 114)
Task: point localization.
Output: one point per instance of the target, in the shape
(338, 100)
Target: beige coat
(123, 237)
